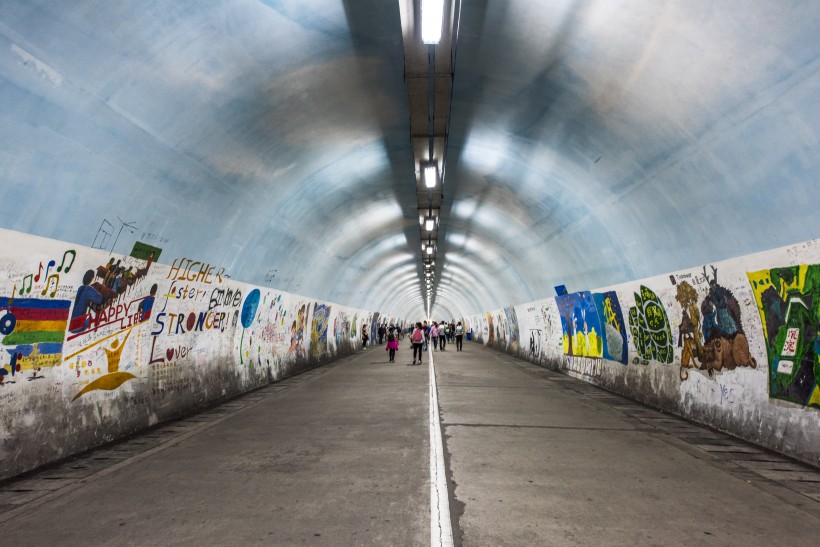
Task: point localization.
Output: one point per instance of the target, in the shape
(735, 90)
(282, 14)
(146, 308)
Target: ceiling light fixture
(432, 16)
(430, 223)
(430, 175)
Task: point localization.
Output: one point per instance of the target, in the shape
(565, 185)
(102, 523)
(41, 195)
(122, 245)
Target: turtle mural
(650, 329)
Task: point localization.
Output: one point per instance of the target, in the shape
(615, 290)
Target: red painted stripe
(33, 314)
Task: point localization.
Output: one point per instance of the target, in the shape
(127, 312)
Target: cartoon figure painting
(725, 344)
(690, 337)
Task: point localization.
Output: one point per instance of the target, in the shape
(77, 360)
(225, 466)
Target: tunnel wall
(96, 346)
(733, 345)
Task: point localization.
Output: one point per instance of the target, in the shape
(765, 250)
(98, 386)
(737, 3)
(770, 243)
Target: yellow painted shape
(108, 382)
(814, 400)
(37, 360)
(29, 325)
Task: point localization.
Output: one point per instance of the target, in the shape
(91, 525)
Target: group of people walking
(422, 334)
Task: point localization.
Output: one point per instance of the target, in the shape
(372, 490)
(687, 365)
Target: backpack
(391, 337)
(417, 336)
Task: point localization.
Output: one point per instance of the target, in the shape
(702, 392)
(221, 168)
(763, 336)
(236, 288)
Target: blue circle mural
(250, 307)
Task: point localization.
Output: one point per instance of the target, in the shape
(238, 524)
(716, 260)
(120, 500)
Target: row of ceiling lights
(432, 18)
(429, 42)
(430, 224)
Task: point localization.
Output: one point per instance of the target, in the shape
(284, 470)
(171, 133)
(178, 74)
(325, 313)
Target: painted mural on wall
(490, 337)
(373, 327)
(92, 328)
(788, 299)
(341, 330)
(580, 324)
(725, 344)
(711, 336)
(249, 309)
(298, 330)
(33, 332)
(729, 318)
(512, 330)
(536, 333)
(318, 330)
(581, 327)
(612, 326)
(690, 335)
(501, 330)
(649, 325)
(33, 320)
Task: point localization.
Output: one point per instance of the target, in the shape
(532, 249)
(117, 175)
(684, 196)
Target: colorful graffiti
(580, 325)
(50, 281)
(34, 331)
(690, 336)
(513, 342)
(114, 377)
(318, 330)
(650, 328)
(788, 299)
(711, 337)
(491, 334)
(249, 309)
(297, 333)
(97, 300)
(613, 327)
(725, 344)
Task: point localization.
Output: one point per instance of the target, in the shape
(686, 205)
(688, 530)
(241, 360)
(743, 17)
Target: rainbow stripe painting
(35, 328)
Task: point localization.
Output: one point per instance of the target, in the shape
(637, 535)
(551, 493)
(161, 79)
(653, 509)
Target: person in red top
(417, 339)
(392, 344)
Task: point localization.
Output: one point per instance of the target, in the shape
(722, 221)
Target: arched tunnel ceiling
(590, 143)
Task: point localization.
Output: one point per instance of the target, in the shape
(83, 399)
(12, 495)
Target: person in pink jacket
(392, 344)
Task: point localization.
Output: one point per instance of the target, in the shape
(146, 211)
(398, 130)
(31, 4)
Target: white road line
(441, 531)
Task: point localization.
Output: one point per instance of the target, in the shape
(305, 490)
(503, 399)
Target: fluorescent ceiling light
(430, 176)
(432, 15)
(430, 223)
(430, 250)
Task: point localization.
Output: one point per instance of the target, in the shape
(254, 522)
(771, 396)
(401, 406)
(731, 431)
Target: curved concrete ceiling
(590, 142)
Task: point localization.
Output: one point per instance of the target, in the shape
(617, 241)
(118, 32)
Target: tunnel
(219, 215)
